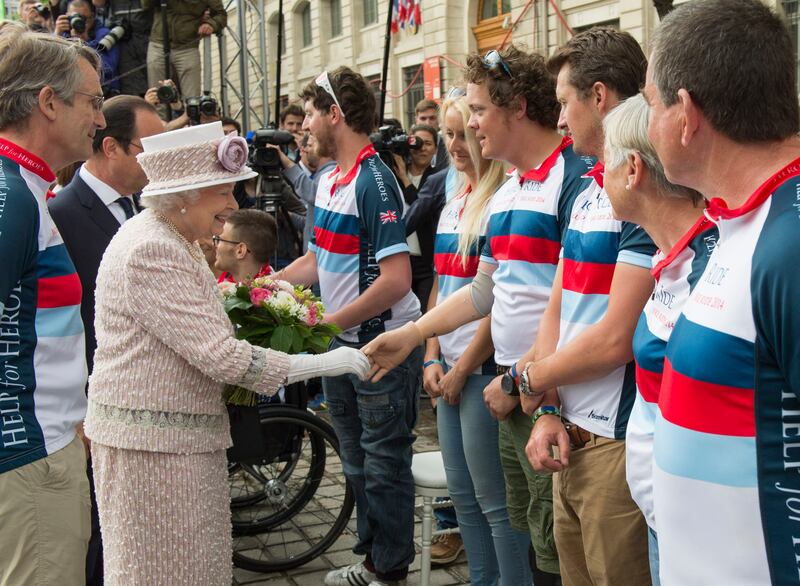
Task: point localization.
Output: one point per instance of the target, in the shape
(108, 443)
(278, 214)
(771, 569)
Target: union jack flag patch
(389, 217)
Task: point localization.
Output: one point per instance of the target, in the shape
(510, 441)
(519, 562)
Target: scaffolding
(242, 70)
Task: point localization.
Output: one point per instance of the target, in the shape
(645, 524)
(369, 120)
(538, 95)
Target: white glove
(334, 363)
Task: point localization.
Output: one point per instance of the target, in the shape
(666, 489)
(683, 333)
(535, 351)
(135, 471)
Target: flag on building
(406, 12)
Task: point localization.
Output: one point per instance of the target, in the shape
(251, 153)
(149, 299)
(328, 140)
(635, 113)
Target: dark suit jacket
(87, 226)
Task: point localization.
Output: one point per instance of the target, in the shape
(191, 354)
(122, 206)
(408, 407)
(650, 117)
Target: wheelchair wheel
(290, 507)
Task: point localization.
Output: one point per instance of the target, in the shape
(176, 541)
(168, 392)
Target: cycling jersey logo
(389, 217)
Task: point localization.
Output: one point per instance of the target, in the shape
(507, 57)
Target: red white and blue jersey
(727, 440)
(42, 348)
(452, 274)
(594, 244)
(528, 218)
(676, 273)
(357, 223)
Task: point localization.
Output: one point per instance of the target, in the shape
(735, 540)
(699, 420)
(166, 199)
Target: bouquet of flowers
(274, 314)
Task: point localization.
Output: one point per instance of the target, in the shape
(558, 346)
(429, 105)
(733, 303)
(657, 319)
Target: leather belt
(578, 437)
(502, 369)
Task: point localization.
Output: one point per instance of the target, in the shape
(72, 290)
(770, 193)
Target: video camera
(390, 139)
(119, 31)
(266, 161)
(205, 105)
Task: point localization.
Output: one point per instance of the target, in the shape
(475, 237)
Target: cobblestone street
(340, 554)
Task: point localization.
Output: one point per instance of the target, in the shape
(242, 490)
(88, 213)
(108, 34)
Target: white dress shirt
(107, 194)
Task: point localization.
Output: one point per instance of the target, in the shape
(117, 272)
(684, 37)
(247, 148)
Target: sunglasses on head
(324, 82)
(456, 92)
(492, 60)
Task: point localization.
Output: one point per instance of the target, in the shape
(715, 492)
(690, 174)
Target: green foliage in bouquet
(275, 314)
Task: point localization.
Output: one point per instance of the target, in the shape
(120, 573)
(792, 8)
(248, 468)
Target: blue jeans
(468, 437)
(374, 423)
(652, 547)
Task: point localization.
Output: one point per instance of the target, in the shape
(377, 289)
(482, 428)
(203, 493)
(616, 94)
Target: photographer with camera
(412, 170)
(187, 22)
(271, 192)
(37, 16)
(129, 26)
(79, 23)
(318, 162)
(191, 112)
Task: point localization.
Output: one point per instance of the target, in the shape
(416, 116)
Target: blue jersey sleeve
(775, 290)
(380, 208)
(635, 246)
(19, 226)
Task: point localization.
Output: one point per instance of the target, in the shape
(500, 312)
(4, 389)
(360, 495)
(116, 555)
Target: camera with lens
(77, 23)
(167, 94)
(42, 10)
(204, 105)
(390, 139)
(119, 31)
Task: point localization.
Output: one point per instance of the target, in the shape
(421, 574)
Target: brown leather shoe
(446, 548)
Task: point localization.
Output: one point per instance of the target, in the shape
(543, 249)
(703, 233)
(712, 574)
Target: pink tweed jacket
(165, 347)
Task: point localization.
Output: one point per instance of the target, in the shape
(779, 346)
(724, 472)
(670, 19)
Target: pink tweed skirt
(164, 518)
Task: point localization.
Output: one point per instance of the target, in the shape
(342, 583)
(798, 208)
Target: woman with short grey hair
(165, 349)
(673, 217)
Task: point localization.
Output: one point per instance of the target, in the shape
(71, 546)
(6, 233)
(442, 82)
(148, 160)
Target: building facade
(426, 60)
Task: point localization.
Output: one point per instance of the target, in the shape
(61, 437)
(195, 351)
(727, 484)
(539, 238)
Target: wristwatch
(524, 381)
(509, 382)
(546, 410)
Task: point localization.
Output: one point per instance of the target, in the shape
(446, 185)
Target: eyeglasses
(456, 91)
(216, 240)
(324, 82)
(97, 101)
(492, 60)
(137, 145)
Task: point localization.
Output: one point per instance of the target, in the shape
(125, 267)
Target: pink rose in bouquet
(259, 295)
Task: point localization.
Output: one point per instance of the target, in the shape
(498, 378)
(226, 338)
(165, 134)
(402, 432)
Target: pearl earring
(627, 187)
(183, 210)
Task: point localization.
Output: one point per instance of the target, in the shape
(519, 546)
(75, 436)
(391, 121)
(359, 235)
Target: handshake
(373, 362)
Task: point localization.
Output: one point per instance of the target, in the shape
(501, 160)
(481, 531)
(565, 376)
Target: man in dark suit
(89, 211)
(98, 200)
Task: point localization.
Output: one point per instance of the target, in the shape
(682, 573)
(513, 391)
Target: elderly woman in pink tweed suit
(156, 417)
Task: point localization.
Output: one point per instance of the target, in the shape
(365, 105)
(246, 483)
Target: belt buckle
(574, 433)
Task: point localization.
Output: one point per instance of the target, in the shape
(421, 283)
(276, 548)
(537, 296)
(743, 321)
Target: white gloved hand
(334, 363)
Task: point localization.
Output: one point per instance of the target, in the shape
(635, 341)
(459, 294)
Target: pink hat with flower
(193, 158)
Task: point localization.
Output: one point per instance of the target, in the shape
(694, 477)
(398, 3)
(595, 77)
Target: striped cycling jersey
(676, 273)
(595, 242)
(727, 438)
(528, 218)
(357, 223)
(452, 274)
(42, 357)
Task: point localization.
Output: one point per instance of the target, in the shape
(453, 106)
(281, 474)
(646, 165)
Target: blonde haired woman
(459, 365)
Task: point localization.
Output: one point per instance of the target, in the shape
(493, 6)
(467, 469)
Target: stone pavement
(340, 554)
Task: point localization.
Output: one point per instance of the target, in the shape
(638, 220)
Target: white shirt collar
(105, 192)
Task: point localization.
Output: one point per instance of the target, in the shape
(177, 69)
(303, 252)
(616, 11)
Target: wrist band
(430, 362)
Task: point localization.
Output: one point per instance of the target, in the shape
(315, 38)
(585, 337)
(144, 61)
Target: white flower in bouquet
(227, 288)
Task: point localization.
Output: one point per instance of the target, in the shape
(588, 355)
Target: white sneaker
(377, 582)
(355, 575)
